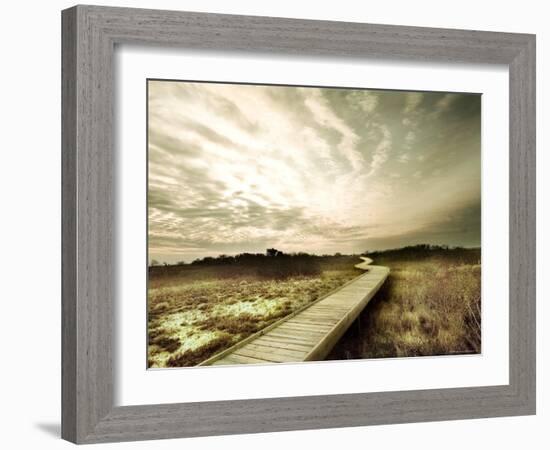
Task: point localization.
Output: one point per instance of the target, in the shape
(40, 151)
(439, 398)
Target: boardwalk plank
(238, 359)
(315, 322)
(311, 339)
(311, 333)
(305, 326)
(266, 347)
(275, 354)
(280, 343)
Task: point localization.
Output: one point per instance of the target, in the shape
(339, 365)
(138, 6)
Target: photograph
(288, 224)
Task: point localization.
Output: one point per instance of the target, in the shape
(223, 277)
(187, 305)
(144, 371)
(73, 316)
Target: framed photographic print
(311, 175)
(267, 222)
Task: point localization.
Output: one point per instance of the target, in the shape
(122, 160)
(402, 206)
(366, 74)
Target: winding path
(310, 333)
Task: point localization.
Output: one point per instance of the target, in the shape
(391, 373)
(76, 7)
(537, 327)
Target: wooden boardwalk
(310, 333)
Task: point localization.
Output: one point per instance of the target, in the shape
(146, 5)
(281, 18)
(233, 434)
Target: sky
(236, 168)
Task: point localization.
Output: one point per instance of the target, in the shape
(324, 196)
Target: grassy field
(429, 305)
(195, 311)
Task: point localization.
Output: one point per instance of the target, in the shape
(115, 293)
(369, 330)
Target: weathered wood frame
(89, 37)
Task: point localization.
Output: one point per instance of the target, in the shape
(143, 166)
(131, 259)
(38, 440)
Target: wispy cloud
(321, 112)
(412, 102)
(236, 168)
(381, 150)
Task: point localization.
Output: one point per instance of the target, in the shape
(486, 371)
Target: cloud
(326, 117)
(410, 137)
(364, 100)
(404, 158)
(235, 168)
(460, 227)
(381, 151)
(412, 102)
(444, 103)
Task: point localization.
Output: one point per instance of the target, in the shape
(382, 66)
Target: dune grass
(194, 313)
(427, 306)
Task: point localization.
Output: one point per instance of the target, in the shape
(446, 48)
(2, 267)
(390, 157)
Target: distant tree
(272, 252)
(202, 261)
(180, 263)
(154, 262)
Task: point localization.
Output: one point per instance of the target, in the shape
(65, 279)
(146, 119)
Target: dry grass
(430, 305)
(195, 314)
(426, 307)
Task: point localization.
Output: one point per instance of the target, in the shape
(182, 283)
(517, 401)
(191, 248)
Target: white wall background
(30, 222)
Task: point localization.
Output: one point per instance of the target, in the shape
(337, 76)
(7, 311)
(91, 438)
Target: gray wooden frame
(89, 37)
